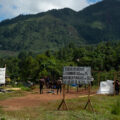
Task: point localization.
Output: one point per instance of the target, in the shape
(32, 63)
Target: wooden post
(89, 101)
(68, 88)
(77, 88)
(114, 81)
(63, 103)
(98, 79)
(64, 91)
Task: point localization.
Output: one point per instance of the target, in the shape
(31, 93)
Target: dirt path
(35, 99)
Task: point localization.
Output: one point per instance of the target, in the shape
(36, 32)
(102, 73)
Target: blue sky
(12, 8)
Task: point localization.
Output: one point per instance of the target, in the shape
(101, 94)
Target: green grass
(4, 96)
(103, 107)
(116, 108)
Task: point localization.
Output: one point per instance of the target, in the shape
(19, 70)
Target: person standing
(117, 87)
(47, 80)
(59, 85)
(41, 84)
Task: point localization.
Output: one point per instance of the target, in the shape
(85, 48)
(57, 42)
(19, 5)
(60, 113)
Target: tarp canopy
(106, 87)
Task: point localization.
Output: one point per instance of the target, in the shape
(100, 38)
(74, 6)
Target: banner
(77, 75)
(2, 75)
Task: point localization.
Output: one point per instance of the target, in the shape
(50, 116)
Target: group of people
(58, 85)
(50, 84)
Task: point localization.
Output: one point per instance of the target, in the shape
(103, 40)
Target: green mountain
(37, 33)
(100, 22)
(56, 28)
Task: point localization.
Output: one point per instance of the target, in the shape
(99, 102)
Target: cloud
(12, 8)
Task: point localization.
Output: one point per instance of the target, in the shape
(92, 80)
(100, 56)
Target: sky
(12, 8)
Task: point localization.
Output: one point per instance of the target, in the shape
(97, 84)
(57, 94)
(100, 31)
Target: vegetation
(10, 95)
(57, 28)
(27, 66)
(116, 108)
(36, 46)
(102, 110)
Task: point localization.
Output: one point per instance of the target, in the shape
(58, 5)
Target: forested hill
(57, 28)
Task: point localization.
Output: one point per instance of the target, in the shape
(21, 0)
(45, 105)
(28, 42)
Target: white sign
(2, 75)
(76, 75)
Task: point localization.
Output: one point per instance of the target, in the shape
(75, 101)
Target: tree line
(29, 66)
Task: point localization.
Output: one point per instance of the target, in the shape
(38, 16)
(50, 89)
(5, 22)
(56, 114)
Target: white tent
(106, 87)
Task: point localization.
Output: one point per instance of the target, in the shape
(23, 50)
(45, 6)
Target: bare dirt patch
(32, 99)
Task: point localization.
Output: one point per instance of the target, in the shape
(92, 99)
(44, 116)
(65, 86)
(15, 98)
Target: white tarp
(106, 87)
(2, 75)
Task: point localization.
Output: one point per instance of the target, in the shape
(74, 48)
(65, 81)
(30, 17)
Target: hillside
(56, 28)
(101, 21)
(37, 34)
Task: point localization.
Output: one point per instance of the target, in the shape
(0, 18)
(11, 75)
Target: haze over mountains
(56, 28)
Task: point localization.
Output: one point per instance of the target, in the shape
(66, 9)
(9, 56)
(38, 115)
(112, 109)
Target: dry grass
(48, 110)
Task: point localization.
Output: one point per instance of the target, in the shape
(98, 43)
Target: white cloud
(12, 8)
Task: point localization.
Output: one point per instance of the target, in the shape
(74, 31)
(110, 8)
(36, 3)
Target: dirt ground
(32, 99)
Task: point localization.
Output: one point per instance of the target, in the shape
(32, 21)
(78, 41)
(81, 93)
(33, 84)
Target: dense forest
(26, 66)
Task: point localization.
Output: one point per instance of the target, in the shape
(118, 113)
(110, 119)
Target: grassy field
(105, 107)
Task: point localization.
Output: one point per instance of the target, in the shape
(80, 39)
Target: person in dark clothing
(47, 80)
(41, 83)
(59, 86)
(117, 87)
(50, 85)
